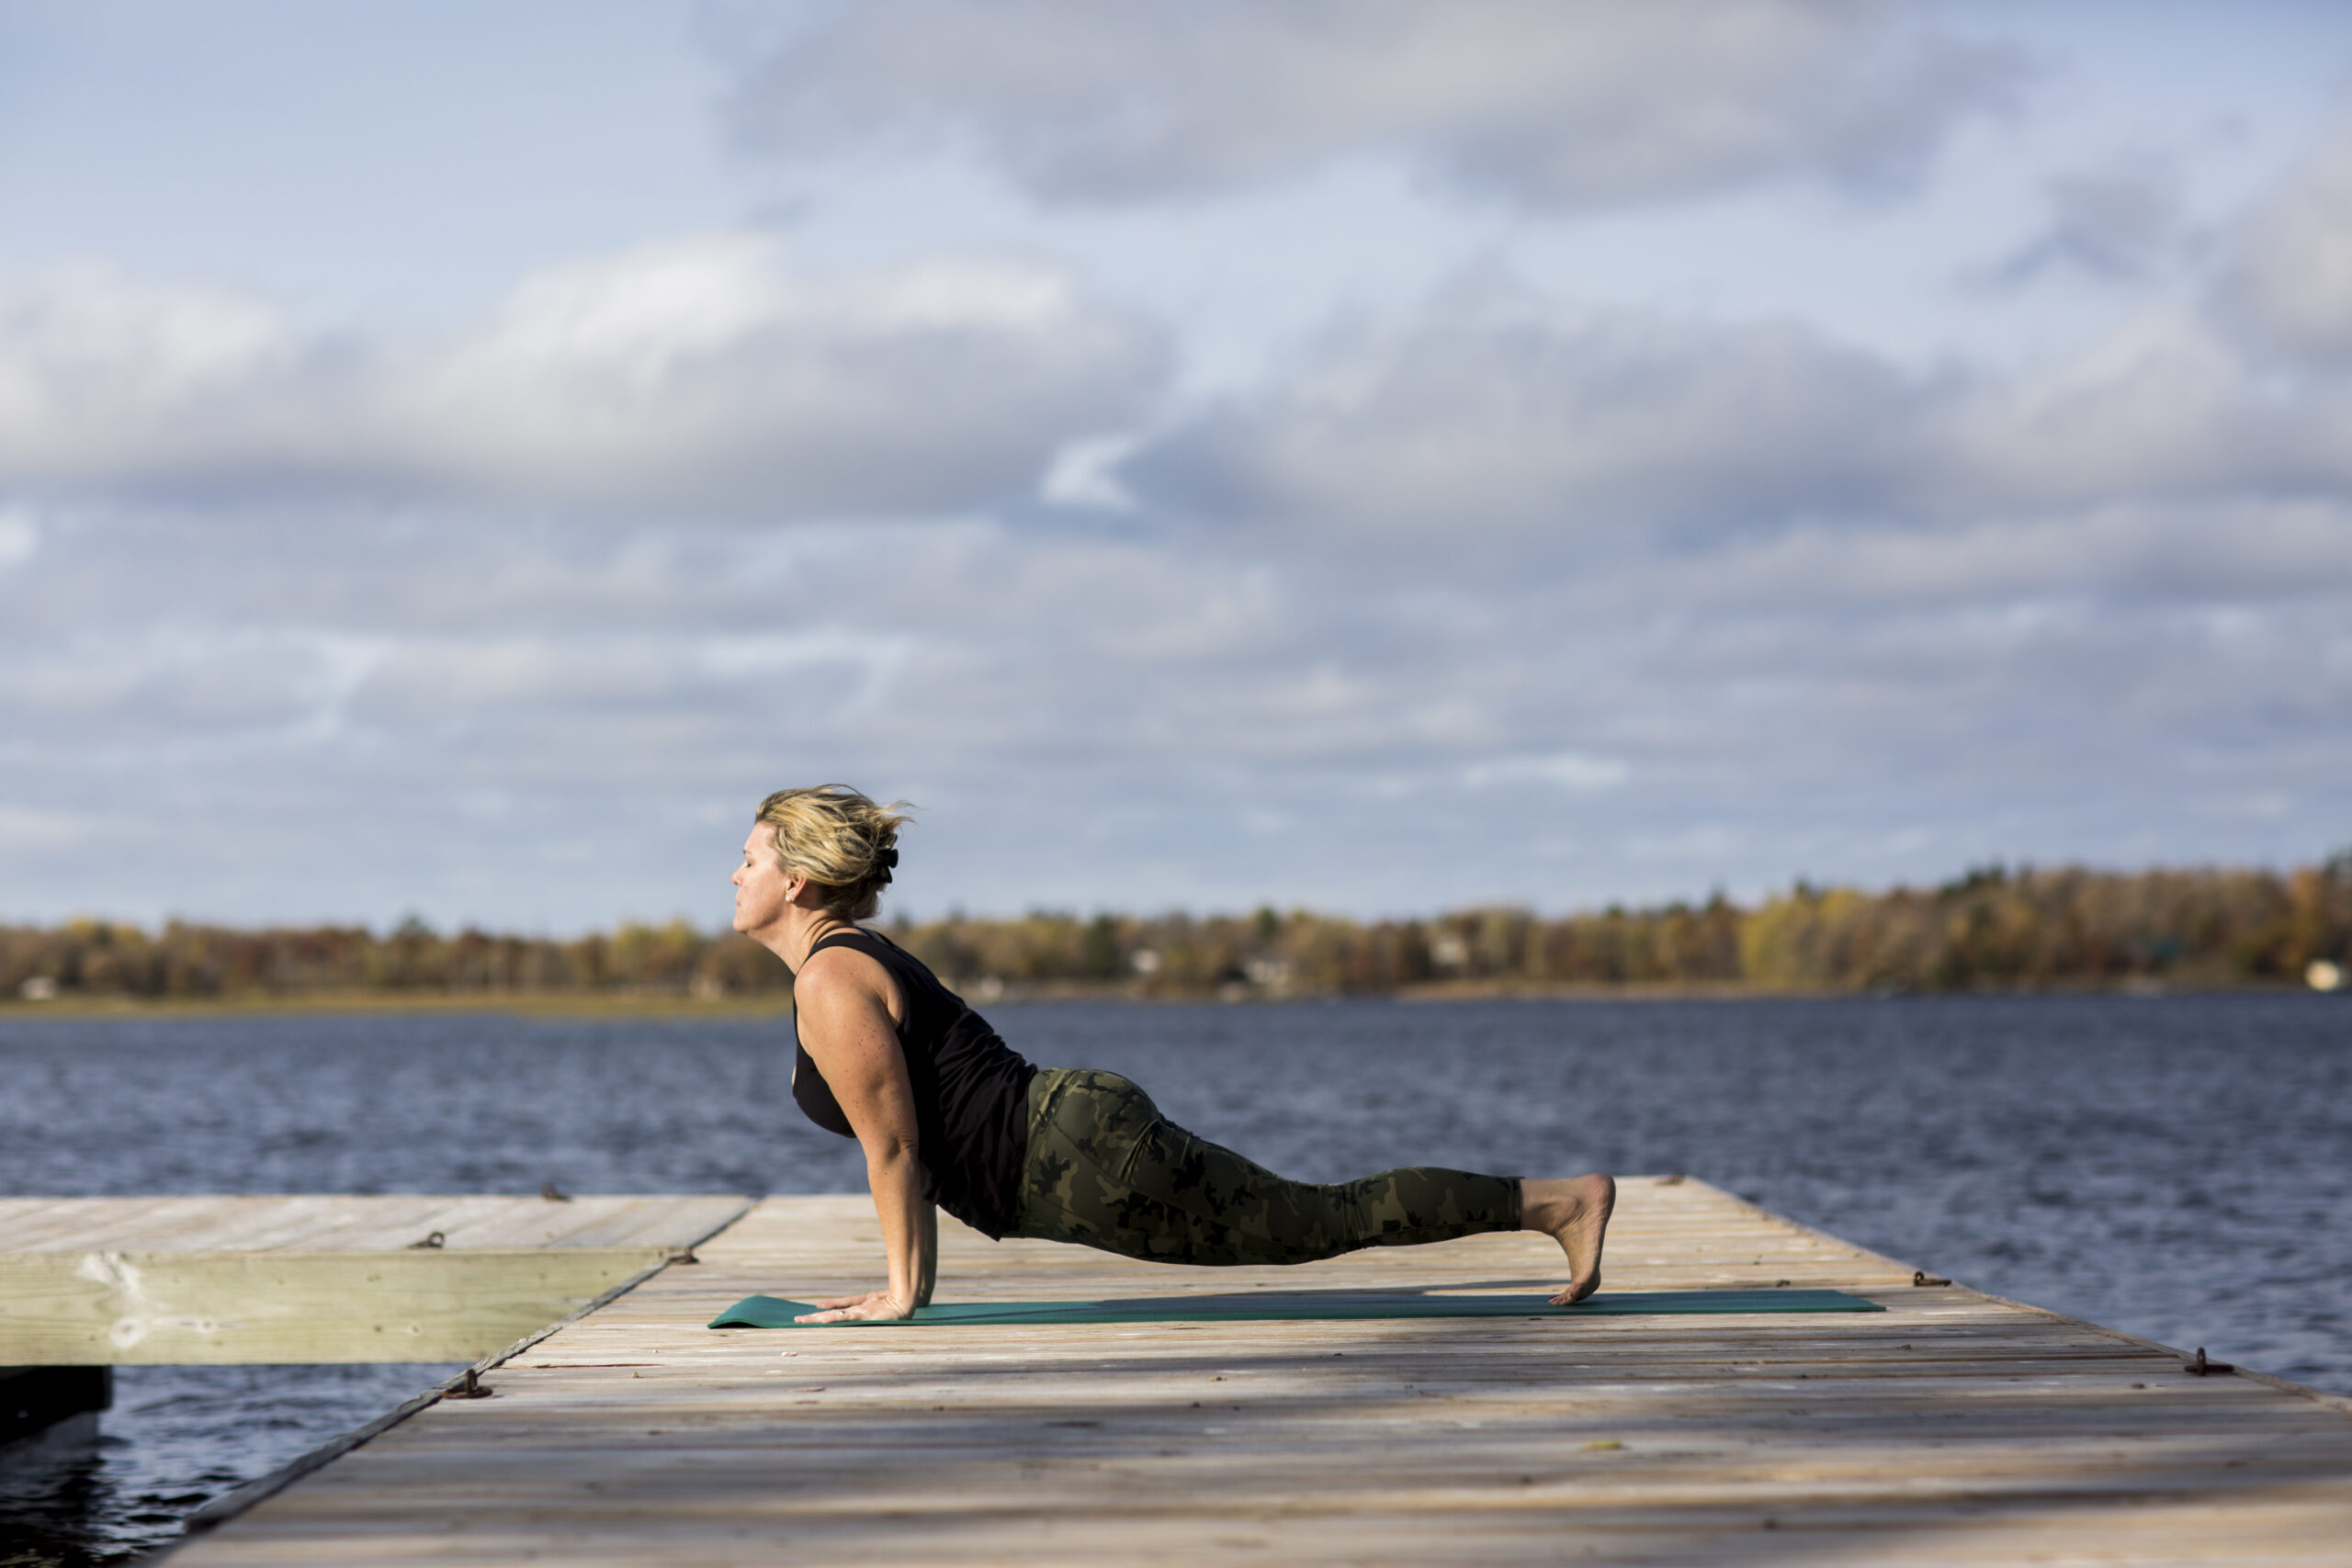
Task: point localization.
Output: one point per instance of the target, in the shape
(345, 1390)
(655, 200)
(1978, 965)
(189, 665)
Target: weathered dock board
(117, 1280)
(1954, 1428)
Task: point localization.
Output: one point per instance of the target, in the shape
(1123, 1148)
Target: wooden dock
(94, 1282)
(1953, 1427)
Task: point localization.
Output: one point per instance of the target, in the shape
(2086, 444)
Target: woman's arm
(841, 1001)
(930, 1252)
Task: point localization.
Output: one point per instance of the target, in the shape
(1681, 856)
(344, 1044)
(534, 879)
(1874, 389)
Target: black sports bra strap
(849, 936)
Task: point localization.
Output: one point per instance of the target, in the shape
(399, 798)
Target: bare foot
(1574, 1212)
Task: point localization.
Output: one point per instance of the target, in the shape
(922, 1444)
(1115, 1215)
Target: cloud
(1568, 770)
(696, 377)
(2289, 277)
(29, 834)
(1084, 474)
(19, 539)
(1555, 104)
(1494, 410)
(1493, 414)
(2248, 551)
(2115, 224)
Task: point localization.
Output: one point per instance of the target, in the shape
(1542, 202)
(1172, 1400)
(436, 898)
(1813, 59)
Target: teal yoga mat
(768, 1311)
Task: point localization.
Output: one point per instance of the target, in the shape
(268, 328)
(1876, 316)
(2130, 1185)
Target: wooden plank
(214, 1280)
(1953, 1428)
(309, 1222)
(182, 1308)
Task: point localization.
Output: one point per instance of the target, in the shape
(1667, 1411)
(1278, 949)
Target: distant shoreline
(2068, 928)
(778, 1005)
(329, 1003)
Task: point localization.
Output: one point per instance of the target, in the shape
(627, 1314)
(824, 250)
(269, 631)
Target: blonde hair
(840, 839)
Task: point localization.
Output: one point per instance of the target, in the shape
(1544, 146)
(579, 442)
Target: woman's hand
(874, 1306)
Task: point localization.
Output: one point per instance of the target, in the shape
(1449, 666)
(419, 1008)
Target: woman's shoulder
(848, 963)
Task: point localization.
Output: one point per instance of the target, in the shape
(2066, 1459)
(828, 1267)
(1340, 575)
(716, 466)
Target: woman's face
(762, 890)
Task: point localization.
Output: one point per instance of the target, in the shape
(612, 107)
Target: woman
(948, 1115)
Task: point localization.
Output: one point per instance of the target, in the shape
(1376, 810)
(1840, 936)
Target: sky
(1373, 457)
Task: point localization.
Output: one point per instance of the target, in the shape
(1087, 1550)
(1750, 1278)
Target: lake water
(2178, 1166)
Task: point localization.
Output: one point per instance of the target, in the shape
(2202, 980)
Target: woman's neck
(803, 930)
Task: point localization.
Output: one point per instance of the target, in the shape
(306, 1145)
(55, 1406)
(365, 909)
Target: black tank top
(971, 1090)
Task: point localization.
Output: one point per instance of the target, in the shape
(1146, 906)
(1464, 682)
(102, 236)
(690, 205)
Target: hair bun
(840, 839)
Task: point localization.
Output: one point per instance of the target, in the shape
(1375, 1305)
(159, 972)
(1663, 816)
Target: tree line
(1993, 929)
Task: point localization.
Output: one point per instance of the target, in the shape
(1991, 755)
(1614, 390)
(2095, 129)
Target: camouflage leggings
(1105, 1169)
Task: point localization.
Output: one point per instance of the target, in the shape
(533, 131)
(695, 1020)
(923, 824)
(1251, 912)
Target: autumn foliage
(1993, 929)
